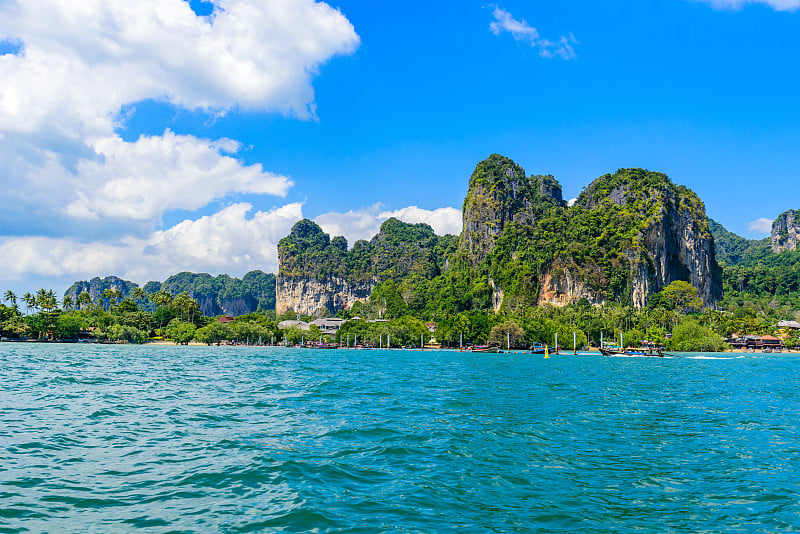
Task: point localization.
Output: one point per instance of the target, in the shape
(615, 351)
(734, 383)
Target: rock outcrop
(566, 284)
(215, 295)
(309, 296)
(500, 193)
(628, 235)
(786, 231)
(319, 276)
(97, 286)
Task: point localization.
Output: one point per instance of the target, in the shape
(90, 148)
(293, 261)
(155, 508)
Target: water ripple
(176, 439)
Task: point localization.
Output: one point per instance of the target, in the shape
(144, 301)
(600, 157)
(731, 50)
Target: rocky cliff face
(566, 284)
(319, 276)
(786, 231)
(500, 193)
(677, 246)
(309, 296)
(215, 295)
(669, 237)
(628, 235)
(96, 286)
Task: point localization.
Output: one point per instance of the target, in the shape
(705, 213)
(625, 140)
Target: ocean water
(209, 439)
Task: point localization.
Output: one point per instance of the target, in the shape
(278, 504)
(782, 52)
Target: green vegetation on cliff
(216, 295)
(755, 278)
(600, 241)
(399, 251)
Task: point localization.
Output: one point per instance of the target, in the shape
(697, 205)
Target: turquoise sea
(215, 439)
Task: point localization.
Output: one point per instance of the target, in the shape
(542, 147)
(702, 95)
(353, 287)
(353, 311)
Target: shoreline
(193, 343)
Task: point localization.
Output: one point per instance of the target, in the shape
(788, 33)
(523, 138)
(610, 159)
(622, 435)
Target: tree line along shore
(674, 317)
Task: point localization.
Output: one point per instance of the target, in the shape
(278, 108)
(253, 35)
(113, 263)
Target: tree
(68, 326)
(294, 335)
(131, 334)
(29, 300)
(11, 297)
(184, 306)
(84, 300)
(161, 299)
(180, 332)
(139, 294)
(682, 296)
(691, 336)
(508, 331)
(66, 302)
(213, 334)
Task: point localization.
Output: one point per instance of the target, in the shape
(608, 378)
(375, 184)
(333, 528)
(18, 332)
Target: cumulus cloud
(761, 225)
(365, 223)
(83, 60)
(234, 240)
(521, 31)
(78, 67)
(142, 180)
(779, 5)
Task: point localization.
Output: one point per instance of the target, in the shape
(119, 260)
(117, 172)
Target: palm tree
(29, 300)
(106, 298)
(11, 297)
(161, 298)
(84, 299)
(46, 299)
(67, 302)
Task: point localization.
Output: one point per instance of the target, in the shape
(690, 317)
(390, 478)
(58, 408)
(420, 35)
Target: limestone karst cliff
(629, 234)
(500, 193)
(786, 231)
(215, 295)
(318, 275)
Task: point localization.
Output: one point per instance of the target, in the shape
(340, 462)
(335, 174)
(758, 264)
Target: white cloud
(85, 59)
(571, 202)
(780, 5)
(760, 226)
(442, 220)
(521, 31)
(234, 240)
(83, 63)
(142, 180)
(365, 223)
(228, 241)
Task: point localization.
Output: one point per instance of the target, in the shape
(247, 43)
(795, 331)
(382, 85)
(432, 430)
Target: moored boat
(541, 348)
(485, 348)
(636, 352)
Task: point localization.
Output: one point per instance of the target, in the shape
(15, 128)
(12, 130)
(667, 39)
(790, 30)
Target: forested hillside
(215, 295)
(756, 278)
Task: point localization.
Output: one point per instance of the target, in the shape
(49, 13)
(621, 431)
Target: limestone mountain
(629, 234)
(754, 276)
(786, 231)
(97, 286)
(319, 276)
(216, 295)
(733, 249)
(500, 193)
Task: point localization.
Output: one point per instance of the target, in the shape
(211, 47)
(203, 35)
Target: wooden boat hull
(632, 353)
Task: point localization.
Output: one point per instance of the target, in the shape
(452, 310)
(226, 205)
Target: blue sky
(141, 142)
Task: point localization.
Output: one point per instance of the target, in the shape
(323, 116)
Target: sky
(141, 139)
